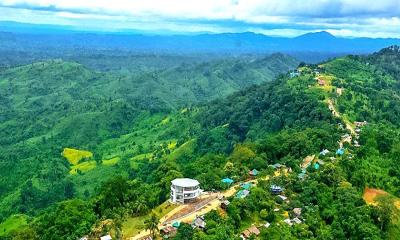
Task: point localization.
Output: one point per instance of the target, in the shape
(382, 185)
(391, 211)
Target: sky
(345, 18)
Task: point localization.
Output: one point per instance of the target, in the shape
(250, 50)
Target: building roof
(316, 166)
(282, 197)
(253, 172)
(242, 193)
(227, 180)
(176, 224)
(297, 211)
(185, 182)
(246, 186)
(199, 222)
(296, 220)
(340, 151)
(106, 237)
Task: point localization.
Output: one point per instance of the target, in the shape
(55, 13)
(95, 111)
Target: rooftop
(185, 182)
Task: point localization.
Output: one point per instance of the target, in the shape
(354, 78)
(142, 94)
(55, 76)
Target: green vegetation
(142, 136)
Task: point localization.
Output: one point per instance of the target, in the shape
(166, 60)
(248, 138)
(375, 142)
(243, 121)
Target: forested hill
(48, 106)
(132, 155)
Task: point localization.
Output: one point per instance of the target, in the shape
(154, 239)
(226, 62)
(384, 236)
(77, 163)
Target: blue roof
(316, 166)
(254, 172)
(176, 224)
(227, 180)
(246, 186)
(242, 193)
(340, 151)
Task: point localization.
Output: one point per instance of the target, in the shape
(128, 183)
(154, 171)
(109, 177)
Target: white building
(184, 190)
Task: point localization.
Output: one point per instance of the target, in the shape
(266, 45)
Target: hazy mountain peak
(319, 35)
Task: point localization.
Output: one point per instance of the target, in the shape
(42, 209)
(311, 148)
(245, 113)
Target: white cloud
(343, 17)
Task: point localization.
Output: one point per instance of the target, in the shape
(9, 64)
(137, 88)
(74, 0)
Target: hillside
(48, 106)
(348, 106)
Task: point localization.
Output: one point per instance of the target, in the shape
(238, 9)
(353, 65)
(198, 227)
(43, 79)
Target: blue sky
(347, 18)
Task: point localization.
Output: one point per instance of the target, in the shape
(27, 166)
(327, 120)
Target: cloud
(344, 17)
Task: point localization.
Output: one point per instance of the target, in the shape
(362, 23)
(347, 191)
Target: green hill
(174, 124)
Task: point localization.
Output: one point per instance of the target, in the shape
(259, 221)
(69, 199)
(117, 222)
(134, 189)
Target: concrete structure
(184, 190)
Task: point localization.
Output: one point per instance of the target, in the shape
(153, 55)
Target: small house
(321, 82)
(246, 186)
(296, 220)
(284, 198)
(227, 181)
(276, 189)
(176, 224)
(324, 152)
(288, 222)
(277, 166)
(253, 230)
(253, 172)
(242, 193)
(168, 231)
(316, 166)
(199, 223)
(361, 124)
(340, 151)
(356, 143)
(267, 224)
(297, 212)
(106, 237)
(225, 204)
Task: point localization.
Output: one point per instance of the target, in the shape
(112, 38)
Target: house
(276, 189)
(316, 166)
(297, 211)
(168, 231)
(225, 204)
(227, 181)
(267, 224)
(199, 223)
(358, 130)
(339, 91)
(288, 222)
(282, 197)
(106, 237)
(324, 152)
(356, 143)
(361, 124)
(253, 172)
(340, 151)
(294, 74)
(184, 190)
(346, 136)
(246, 186)
(242, 193)
(84, 238)
(321, 82)
(253, 230)
(277, 166)
(320, 162)
(296, 220)
(176, 224)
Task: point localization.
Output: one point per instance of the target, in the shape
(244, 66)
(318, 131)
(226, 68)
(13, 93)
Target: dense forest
(88, 150)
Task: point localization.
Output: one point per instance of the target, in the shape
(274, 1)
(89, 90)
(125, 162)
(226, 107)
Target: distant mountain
(50, 39)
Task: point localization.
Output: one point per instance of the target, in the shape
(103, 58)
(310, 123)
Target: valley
(99, 149)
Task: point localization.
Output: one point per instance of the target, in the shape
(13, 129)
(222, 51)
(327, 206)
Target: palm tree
(151, 224)
(139, 206)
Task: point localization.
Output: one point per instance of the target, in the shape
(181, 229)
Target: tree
(151, 224)
(386, 210)
(185, 232)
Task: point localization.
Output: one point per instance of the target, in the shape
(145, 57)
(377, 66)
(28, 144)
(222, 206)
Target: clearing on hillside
(74, 155)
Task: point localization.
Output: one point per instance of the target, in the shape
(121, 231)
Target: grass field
(74, 156)
(134, 225)
(12, 223)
